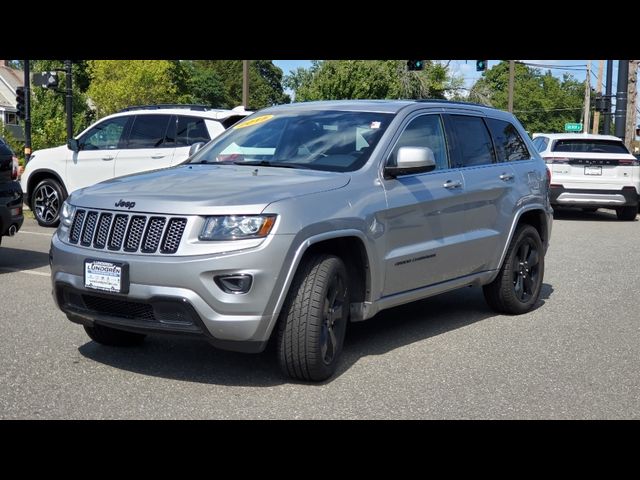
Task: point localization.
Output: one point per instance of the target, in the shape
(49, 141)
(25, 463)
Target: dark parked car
(10, 192)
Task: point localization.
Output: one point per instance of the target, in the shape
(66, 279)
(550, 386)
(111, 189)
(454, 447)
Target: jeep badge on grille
(125, 204)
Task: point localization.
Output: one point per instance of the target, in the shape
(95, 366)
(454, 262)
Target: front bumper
(178, 294)
(574, 197)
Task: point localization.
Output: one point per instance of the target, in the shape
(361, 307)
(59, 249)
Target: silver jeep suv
(304, 217)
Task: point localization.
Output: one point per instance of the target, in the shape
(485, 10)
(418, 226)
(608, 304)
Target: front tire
(314, 319)
(516, 289)
(112, 337)
(46, 202)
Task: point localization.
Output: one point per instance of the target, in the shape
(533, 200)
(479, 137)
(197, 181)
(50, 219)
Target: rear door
(147, 147)
(188, 130)
(488, 196)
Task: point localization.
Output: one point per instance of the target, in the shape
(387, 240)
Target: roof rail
(187, 106)
(456, 102)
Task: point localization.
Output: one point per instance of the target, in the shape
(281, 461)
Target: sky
(467, 70)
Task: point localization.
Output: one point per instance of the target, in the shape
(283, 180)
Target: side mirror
(195, 147)
(73, 144)
(411, 160)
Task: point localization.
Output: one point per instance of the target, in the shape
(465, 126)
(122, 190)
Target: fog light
(237, 283)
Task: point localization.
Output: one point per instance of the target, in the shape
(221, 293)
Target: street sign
(572, 127)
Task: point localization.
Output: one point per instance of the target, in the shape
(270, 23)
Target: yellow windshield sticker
(254, 121)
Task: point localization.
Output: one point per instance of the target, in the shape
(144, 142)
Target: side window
(148, 131)
(191, 130)
(105, 135)
(509, 144)
(424, 131)
(472, 144)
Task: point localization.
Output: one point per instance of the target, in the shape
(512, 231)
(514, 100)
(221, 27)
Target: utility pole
(587, 98)
(621, 98)
(69, 99)
(245, 83)
(607, 95)
(27, 113)
(632, 93)
(596, 115)
(511, 82)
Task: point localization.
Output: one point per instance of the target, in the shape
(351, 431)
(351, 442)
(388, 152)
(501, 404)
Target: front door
(98, 149)
(425, 222)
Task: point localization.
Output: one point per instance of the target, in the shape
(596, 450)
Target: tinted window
(191, 130)
(424, 131)
(104, 136)
(589, 146)
(508, 142)
(472, 145)
(148, 131)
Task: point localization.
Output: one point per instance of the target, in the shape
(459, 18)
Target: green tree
(265, 82)
(354, 79)
(542, 102)
(116, 84)
(48, 117)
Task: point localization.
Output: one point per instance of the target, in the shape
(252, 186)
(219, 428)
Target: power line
(547, 110)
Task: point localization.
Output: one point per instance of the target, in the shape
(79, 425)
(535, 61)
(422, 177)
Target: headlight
(237, 227)
(66, 214)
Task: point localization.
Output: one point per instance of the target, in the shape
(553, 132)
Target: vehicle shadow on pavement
(414, 322)
(194, 360)
(573, 214)
(190, 360)
(16, 259)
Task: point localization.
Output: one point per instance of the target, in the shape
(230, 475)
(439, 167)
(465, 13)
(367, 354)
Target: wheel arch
(534, 216)
(350, 246)
(36, 177)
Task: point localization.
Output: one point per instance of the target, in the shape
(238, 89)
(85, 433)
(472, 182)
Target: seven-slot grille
(127, 232)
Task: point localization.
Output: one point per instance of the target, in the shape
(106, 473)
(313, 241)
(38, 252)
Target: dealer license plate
(106, 276)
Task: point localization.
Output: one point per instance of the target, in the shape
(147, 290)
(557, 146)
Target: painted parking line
(29, 272)
(36, 233)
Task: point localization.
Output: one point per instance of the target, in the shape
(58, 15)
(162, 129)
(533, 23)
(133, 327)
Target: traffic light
(20, 102)
(413, 65)
(481, 65)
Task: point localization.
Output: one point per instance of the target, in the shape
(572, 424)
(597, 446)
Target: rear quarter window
(508, 142)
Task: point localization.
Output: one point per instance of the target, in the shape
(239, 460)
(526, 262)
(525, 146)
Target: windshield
(335, 141)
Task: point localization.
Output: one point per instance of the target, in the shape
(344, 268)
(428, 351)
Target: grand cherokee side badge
(128, 205)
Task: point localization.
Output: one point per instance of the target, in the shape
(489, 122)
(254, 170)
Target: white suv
(591, 172)
(133, 140)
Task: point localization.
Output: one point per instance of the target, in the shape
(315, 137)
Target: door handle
(158, 156)
(450, 184)
(108, 158)
(506, 177)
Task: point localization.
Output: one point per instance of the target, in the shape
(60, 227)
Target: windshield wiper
(267, 163)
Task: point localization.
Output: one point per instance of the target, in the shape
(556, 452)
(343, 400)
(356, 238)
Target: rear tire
(314, 319)
(627, 214)
(46, 202)
(112, 337)
(516, 289)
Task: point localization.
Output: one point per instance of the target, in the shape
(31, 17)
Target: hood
(206, 189)
(56, 151)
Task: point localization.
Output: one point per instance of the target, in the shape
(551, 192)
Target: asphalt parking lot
(577, 356)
